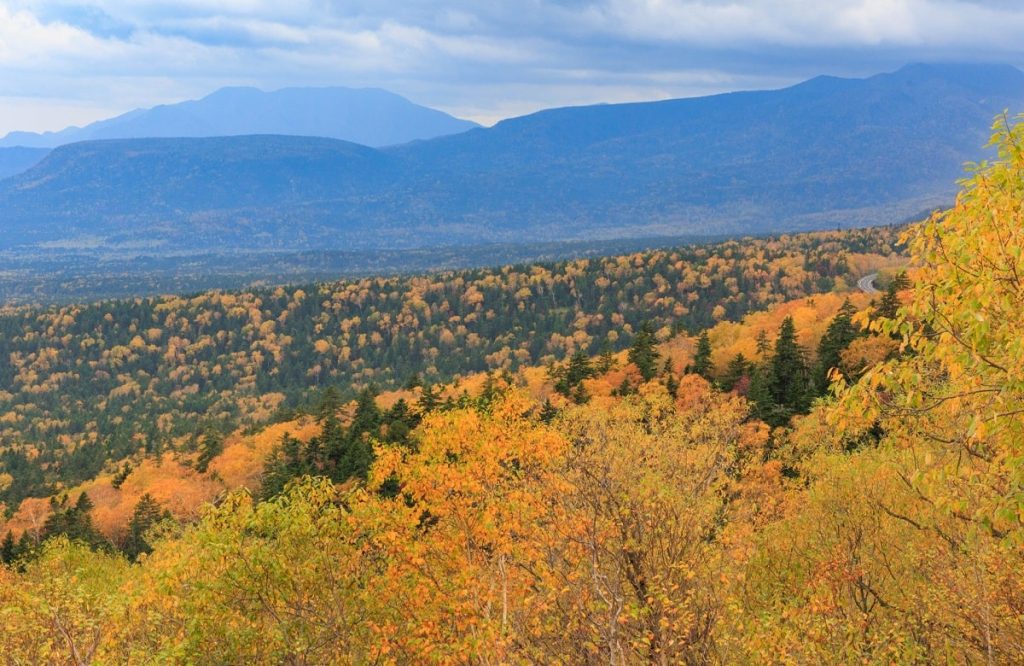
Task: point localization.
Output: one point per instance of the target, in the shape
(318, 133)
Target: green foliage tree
(644, 353)
(702, 364)
(788, 377)
(145, 517)
(840, 333)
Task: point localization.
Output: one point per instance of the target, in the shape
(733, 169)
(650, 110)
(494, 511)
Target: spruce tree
(548, 412)
(838, 336)
(702, 357)
(643, 353)
(147, 514)
(788, 377)
(889, 304)
(763, 346)
(212, 446)
(737, 369)
(430, 399)
(606, 358)
(8, 548)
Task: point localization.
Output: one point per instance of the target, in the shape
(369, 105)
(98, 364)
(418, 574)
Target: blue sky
(73, 61)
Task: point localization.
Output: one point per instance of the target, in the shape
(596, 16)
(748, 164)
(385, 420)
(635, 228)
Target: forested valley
(718, 453)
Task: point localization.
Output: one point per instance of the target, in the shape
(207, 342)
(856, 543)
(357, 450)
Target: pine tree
(643, 353)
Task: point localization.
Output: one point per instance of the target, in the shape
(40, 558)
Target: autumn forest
(719, 453)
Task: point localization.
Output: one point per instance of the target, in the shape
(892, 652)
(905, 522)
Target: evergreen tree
(643, 353)
(430, 399)
(738, 368)
(147, 514)
(671, 383)
(702, 357)
(760, 396)
(330, 403)
(838, 336)
(121, 476)
(580, 395)
(8, 548)
(900, 281)
(889, 304)
(285, 463)
(788, 377)
(548, 412)
(763, 346)
(606, 358)
(73, 522)
(212, 446)
(489, 392)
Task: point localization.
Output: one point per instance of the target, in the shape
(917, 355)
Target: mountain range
(369, 116)
(826, 152)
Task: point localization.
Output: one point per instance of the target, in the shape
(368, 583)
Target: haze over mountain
(368, 116)
(825, 152)
(17, 159)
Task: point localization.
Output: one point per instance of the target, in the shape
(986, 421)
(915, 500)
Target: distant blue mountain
(17, 159)
(367, 116)
(826, 152)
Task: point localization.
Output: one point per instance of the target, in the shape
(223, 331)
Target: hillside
(367, 116)
(85, 385)
(16, 160)
(815, 155)
(846, 489)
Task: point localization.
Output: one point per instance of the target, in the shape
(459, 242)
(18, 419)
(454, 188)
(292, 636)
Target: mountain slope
(18, 159)
(828, 151)
(367, 116)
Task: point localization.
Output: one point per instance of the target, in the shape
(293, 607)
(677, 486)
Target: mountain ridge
(826, 152)
(369, 116)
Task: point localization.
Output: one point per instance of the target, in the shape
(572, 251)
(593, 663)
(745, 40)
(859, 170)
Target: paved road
(867, 284)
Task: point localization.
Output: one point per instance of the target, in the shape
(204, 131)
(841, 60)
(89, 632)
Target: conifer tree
(643, 353)
(212, 446)
(548, 412)
(838, 336)
(788, 380)
(702, 357)
(430, 399)
(763, 346)
(606, 358)
(147, 513)
(8, 548)
(738, 368)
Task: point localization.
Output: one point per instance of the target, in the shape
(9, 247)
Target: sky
(65, 62)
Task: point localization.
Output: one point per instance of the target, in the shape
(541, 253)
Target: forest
(84, 386)
(790, 472)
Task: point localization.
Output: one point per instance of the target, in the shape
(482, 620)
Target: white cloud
(482, 59)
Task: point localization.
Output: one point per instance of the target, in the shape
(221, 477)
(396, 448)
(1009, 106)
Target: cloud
(484, 59)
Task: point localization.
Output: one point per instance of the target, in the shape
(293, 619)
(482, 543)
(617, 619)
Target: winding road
(867, 284)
